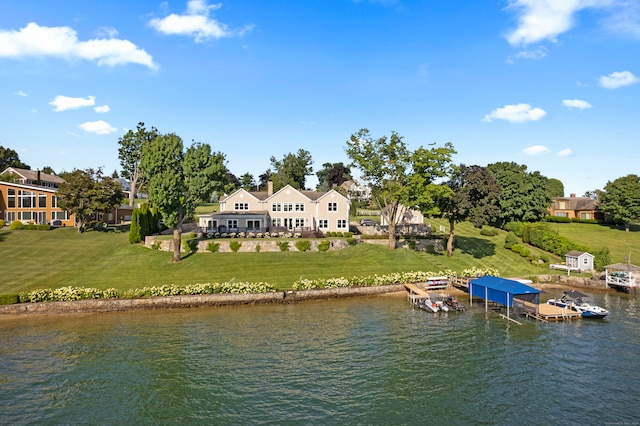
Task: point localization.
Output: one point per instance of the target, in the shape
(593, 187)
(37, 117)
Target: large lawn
(62, 257)
(619, 242)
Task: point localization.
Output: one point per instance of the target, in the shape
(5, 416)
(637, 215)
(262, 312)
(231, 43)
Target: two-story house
(288, 209)
(575, 207)
(30, 197)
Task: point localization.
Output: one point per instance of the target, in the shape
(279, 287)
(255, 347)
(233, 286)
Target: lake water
(363, 361)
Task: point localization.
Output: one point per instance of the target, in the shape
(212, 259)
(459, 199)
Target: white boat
(576, 301)
(427, 304)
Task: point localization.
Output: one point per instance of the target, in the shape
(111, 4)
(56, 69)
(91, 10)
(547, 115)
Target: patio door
(288, 223)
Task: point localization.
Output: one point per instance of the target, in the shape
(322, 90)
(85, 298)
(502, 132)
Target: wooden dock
(415, 293)
(545, 312)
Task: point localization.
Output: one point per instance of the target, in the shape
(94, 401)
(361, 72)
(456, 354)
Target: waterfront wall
(189, 301)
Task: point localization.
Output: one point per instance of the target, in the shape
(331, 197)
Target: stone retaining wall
(248, 245)
(191, 301)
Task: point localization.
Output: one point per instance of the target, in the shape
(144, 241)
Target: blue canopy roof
(501, 290)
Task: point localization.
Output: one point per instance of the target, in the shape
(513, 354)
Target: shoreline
(88, 306)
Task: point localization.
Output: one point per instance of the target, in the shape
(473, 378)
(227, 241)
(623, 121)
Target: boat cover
(502, 290)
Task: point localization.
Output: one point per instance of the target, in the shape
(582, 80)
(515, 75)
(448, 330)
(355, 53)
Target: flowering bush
(63, 294)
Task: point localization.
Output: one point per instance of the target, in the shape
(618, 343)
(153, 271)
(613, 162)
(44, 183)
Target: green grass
(619, 242)
(62, 257)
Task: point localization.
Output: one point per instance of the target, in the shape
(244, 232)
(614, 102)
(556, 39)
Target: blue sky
(553, 84)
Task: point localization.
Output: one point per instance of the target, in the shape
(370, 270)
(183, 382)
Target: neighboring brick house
(288, 209)
(31, 197)
(575, 207)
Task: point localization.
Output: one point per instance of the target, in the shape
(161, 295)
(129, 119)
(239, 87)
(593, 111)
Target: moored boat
(576, 301)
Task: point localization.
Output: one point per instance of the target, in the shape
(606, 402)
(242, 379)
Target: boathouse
(502, 290)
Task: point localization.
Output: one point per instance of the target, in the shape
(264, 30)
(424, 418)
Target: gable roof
(576, 253)
(34, 175)
(578, 203)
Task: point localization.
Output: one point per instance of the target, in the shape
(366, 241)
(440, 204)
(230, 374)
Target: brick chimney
(572, 195)
(270, 188)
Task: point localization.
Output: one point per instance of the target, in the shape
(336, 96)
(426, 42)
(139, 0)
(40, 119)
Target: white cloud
(576, 103)
(535, 55)
(565, 152)
(536, 150)
(196, 23)
(20, 93)
(618, 79)
(62, 42)
(518, 113)
(546, 19)
(63, 103)
(102, 109)
(99, 127)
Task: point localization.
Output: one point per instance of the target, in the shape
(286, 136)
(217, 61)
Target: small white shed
(580, 260)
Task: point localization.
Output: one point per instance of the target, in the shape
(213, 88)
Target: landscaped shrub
(558, 219)
(235, 246)
(510, 240)
(488, 232)
(213, 247)
(2, 223)
(411, 243)
(348, 234)
(303, 245)
(522, 250)
(15, 225)
(156, 245)
(324, 245)
(588, 221)
(258, 248)
(601, 258)
(186, 246)
(135, 235)
(284, 245)
(352, 241)
(515, 227)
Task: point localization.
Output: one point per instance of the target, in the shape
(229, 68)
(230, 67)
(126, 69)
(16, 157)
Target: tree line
(178, 179)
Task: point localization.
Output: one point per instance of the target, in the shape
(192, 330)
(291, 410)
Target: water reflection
(359, 361)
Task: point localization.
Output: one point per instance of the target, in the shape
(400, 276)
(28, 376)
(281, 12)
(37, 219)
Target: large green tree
(524, 196)
(332, 175)
(247, 182)
(620, 200)
(474, 196)
(292, 169)
(556, 188)
(86, 193)
(10, 158)
(398, 177)
(180, 180)
(130, 153)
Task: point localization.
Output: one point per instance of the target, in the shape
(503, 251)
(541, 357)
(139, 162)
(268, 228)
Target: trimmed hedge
(8, 299)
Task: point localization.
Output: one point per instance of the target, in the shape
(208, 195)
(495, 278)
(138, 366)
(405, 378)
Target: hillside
(62, 257)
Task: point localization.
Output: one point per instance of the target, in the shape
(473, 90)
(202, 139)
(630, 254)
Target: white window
(42, 200)
(241, 206)
(11, 217)
(276, 221)
(342, 223)
(332, 207)
(323, 223)
(299, 222)
(299, 207)
(232, 224)
(60, 216)
(276, 207)
(26, 199)
(287, 207)
(11, 198)
(26, 216)
(54, 201)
